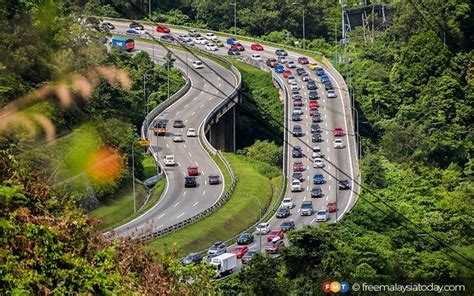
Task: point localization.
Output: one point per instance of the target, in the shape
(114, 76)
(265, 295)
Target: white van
(169, 160)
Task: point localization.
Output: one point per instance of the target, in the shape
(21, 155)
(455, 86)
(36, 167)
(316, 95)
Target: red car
(303, 60)
(238, 46)
(332, 207)
(273, 247)
(193, 171)
(297, 103)
(313, 112)
(286, 73)
(298, 166)
(162, 29)
(277, 232)
(313, 105)
(338, 131)
(256, 47)
(240, 251)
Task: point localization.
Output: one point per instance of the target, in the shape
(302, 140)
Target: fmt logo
(335, 287)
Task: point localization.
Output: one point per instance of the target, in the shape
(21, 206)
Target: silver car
(322, 216)
(216, 249)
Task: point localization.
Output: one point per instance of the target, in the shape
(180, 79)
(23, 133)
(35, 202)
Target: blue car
(325, 79)
(133, 33)
(279, 69)
(318, 179)
(231, 41)
(320, 72)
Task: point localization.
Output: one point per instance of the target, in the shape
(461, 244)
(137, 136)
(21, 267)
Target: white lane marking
(184, 193)
(167, 146)
(178, 164)
(160, 216)
(307, 177)
(211, 97)
(329, 188)
(184, 145)
(180, 215)
(217, 91)
(218, 78)
(307, 140)
(195, 99)
(328, 149)
(201, 106)
(184, 174)
(324, 101)
(304, 199)
(176, 204)
(307, 188)
(327, 198)
(204, 193)
(141, 226)
(325, 116)
(312, 221)
(205, 85)
(186, 121)
(326, 124)
(177, 112)
(159, 226)
(220, 84)
(192, 114)
(195, 204)
(203, 172)
(192, 156)
(329, 178)
(196, 163)
(186, 106)
(327, 132)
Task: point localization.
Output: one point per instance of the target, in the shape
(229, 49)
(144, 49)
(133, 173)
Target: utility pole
(235, 15)
(259, 221)
(149, 9)
(304, 28)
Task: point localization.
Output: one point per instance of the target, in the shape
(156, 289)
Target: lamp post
(133, 178)
(259, 221)
(304, 29)
(235, 15)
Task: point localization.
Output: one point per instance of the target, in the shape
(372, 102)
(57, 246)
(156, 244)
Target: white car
(191, 132)
(185, 38)
(291, 64)
(198, 65)
(178, 137)
(294, 86)
(322, 216)
(200, 40)
(318, 163)
(169, 160)
(296, 186)
(211, 36)
(256, 57)
(211, 47)
(290, 79)
(262, 228)
(288, 203)
(338, 143)
(317, 152)
(140, 31)
(331, 94)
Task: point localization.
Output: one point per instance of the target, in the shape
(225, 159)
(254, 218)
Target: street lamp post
(235, 15)
(133, 178)
(304, 29)
(259, 221)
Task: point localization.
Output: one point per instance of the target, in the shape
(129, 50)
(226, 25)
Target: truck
(123, 43)
(159, 129)
(224, 264)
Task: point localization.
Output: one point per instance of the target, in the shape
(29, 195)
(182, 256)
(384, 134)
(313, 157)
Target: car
(317, 152)
(262, 228)
(295, 93)
(256, 57)
(132, 32)
(291, 65)
(191, 132)
(298, 176)
(313, 111)
(233, 51)
(297, 131)
(256, 47)
(316, 117)
(305, 76)
(238, 46)
(287, 225)
(190, 181)
(274, 246)
(298, 110)
(291, 79)
(282, 60)
(231, 41)
(338, 143)
(240, 251)
(312, 65)
(200, 40)
(320, 71)
(192, 258)
(162, 29)
(107, 26)
(325, 79)
(286, 73)
(318, 163)
(328, 86)
(313, 95)
(298, 166)
(210, 36)
(303, 60)
(281, 52)
(288, 203)
(296, 186)
(297, 103)
(271, 62)
(136, 25)
(296, 117)
(331, 207)
(193, 171)
(322, 216)
(313, 105)
(276, 232)
(198, 65)
(169, 160)
(297, 97)
(317, 137)
(248, 256)
(306, 208)
(211, 47)
(185, 38)
(316, 192)
(318, 178)
(344, 184)
(315, 128)
(178, 123)
(300, 71)
(214, 180)
(218, 43)
(178, 138)
(167, 38)
(245, 238)
(279, 68)
(216, 249)
(194, 33)
(331, 94)
(338, 131)
(311, 86)
(282, 212)
(294, 86)
(297, 152)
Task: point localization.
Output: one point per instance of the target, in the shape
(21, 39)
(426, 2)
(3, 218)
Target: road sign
(144, 143)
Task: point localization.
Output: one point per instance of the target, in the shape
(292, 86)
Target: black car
(297, 131)
(191, 258)
(287, 226)
(311, 86)
(316, 192)
(300, 71)
(214, 180)
(233, 51)
(297, 152)
(315, 128)
(167, 38)
(107, 26)
(190, 181)
(328, 86)
(313, 95)
(283, 213)
(296, 117)
(298, 176)
(298, 97)
(317, 137)
(178, 123)
(136, 25)
(344, 184)
(245, 238)
(248, 256)
(316, 117)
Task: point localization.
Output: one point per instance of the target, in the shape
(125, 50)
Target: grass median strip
(239, 213)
